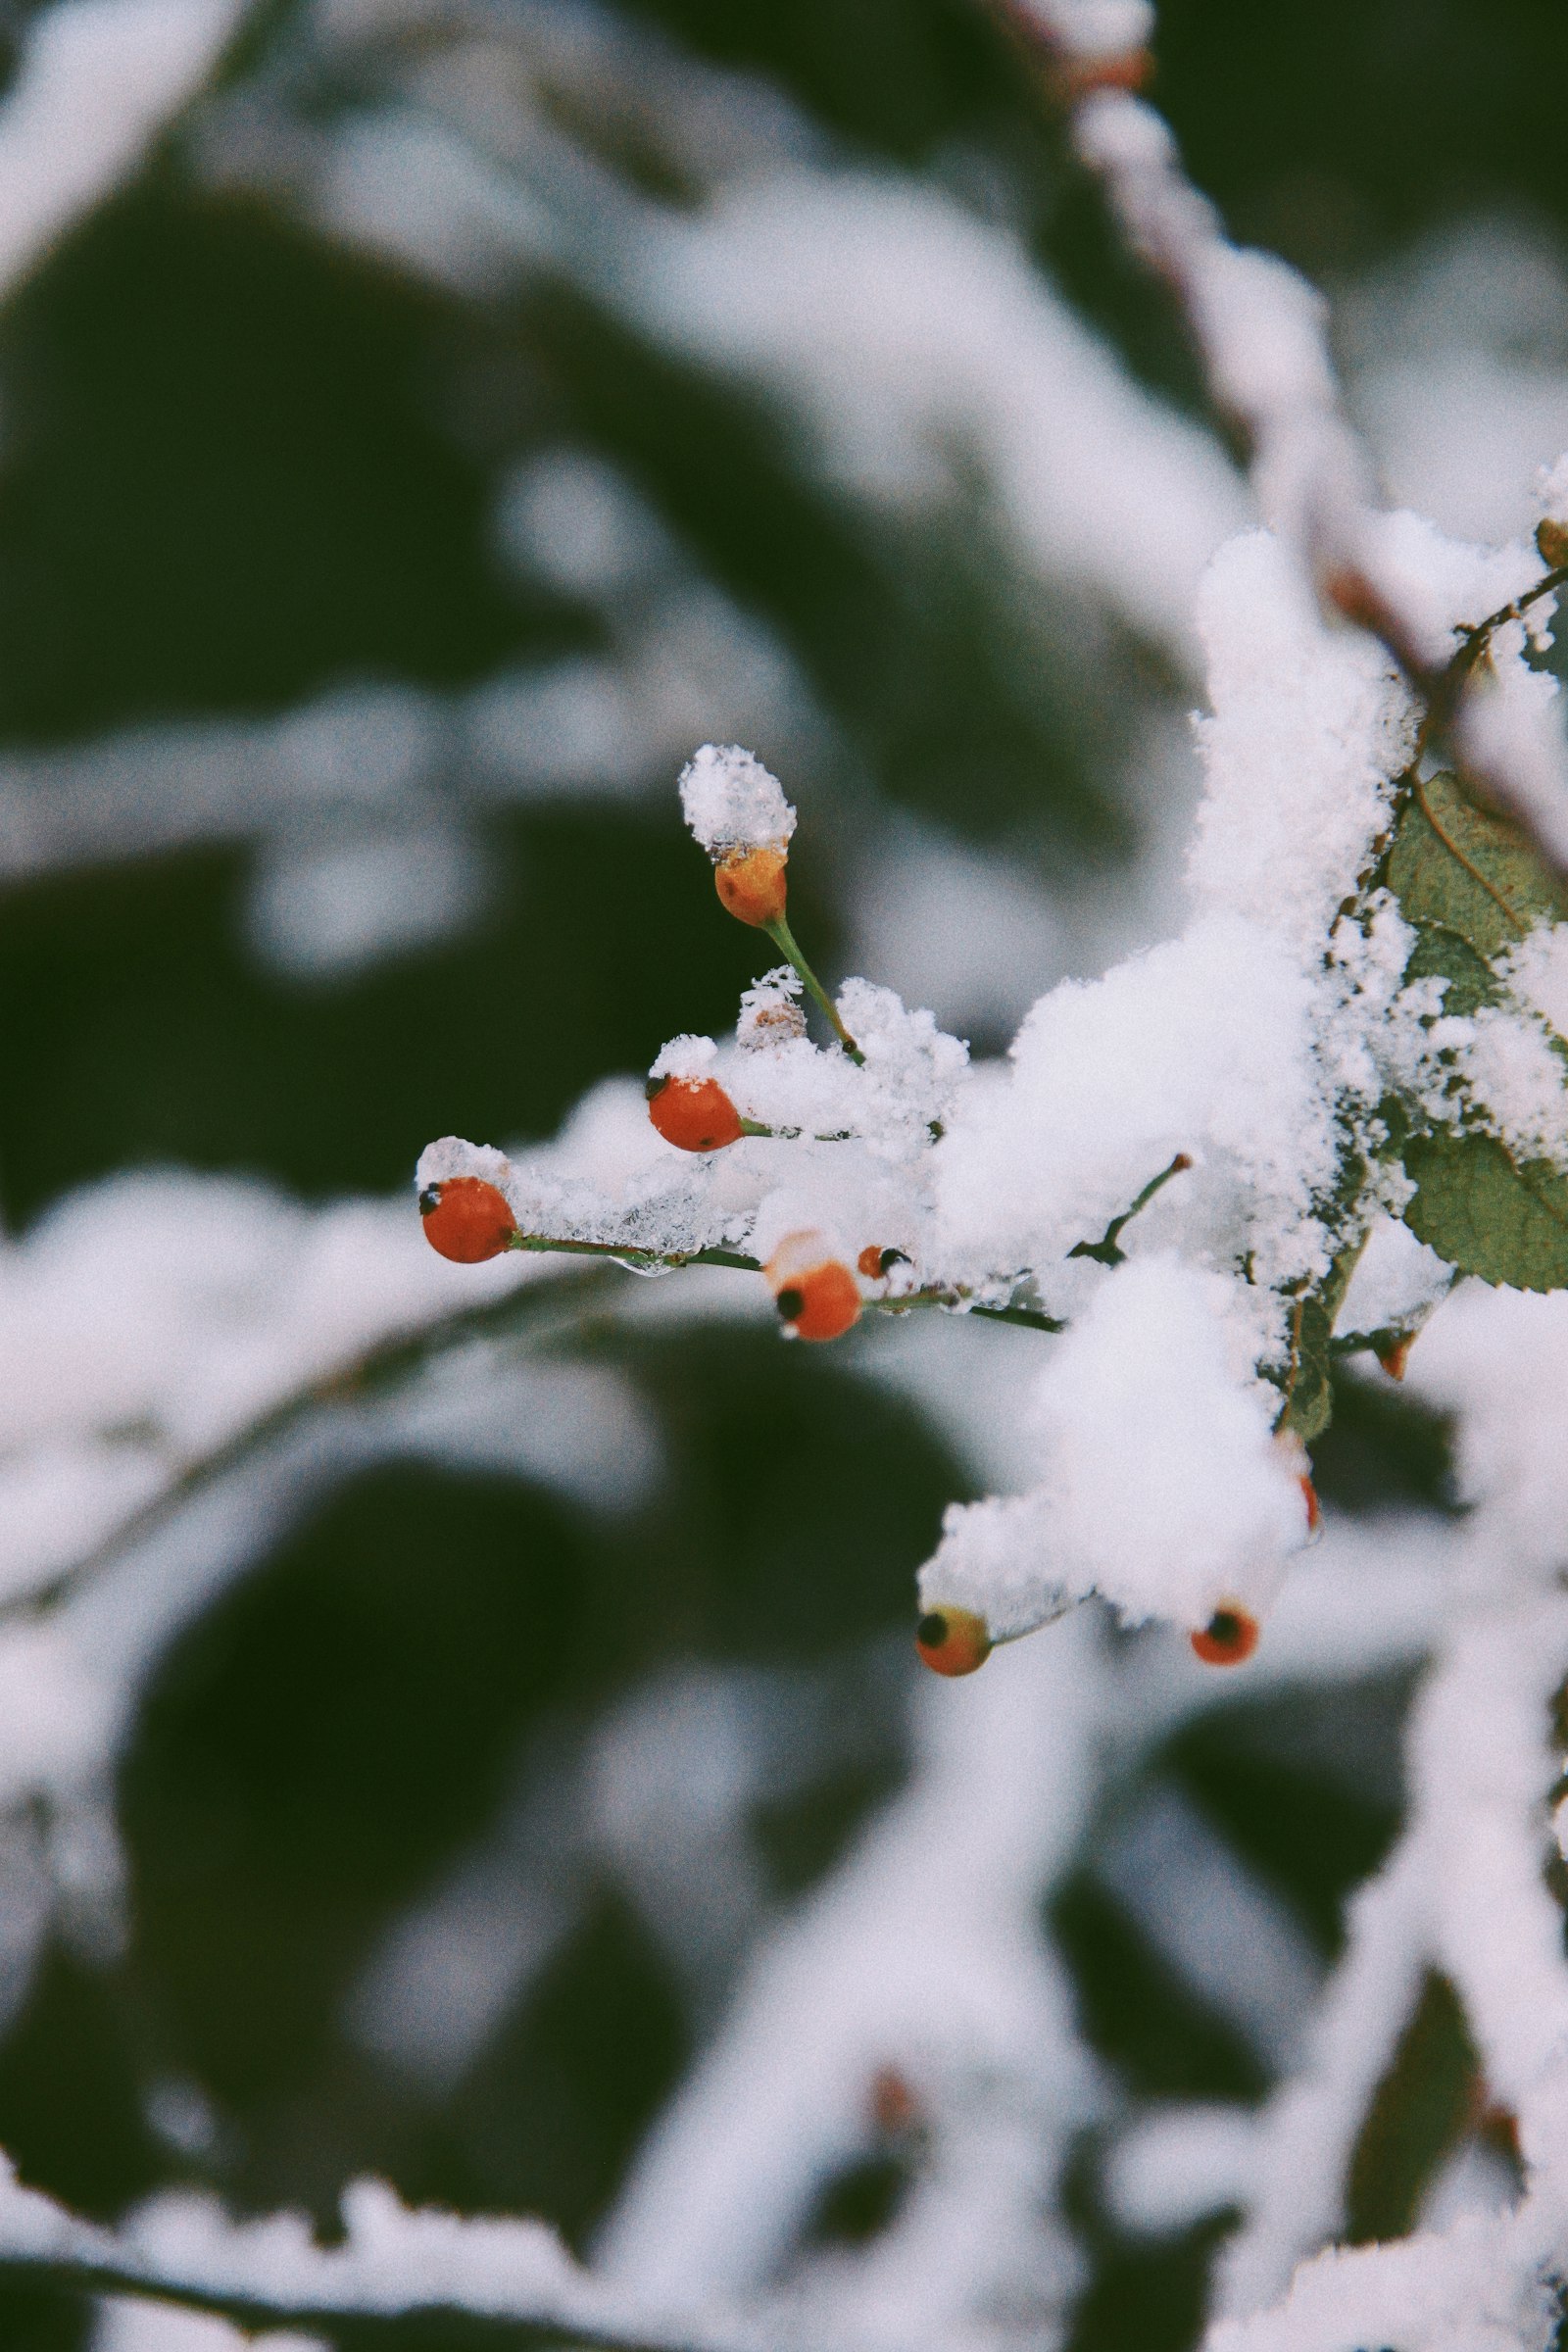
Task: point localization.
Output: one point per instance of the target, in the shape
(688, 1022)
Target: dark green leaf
(1416, 2119)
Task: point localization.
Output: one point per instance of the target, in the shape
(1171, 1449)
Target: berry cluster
(816, 1167)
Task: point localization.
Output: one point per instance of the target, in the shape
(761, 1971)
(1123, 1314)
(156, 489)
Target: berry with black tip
(1229, 1638)
(817, 1295)
(953, 1640)
(467, 1219)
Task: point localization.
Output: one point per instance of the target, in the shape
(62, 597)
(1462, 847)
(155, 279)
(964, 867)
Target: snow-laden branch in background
(1260, 331)
(99, 81)
(509, 2285)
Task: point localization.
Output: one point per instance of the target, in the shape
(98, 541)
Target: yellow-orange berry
(467, 1219)
(693, 1114)
(751, 885)
(953, 1640)
(1229, 1637)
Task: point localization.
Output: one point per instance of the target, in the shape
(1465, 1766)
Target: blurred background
(421, 424)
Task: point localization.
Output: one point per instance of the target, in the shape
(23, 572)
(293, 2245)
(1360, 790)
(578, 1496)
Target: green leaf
(1417, 2118)
(1310, 1405)
(1442, 954)
(1469, 871)
(1488, 1215)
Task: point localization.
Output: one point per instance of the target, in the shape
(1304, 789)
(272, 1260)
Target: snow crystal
(1308, 726)
(1161, 1483)
(1536, 972)
(1516, 1079)
(1203, 1045)
(731, 801)
(1397, 1279)
(1441, 585)
(451, 1156)
(996, 1558)
(1165, 1485)
(1511, 734)
(1551, 490)
(686, 1056)
(771, 1013)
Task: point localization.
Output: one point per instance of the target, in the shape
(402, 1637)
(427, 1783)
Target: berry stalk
(783, 938)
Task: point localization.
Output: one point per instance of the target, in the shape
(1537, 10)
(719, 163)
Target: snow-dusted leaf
(1486, 1213)
(1468, 870)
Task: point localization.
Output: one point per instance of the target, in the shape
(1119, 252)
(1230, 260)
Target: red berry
(467, 1219)
(1314, 1509)
(895, 2108)
(817, 1295)
(1229, 1637)
(751, 885)
(694, 1114)
(953, 1640)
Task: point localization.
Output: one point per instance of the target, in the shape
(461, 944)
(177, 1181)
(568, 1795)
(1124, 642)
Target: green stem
(791, 1134)
(347, 2327)
(381, 1369)
(1031, 1318)
(784, 939)
(1105, 1250)
(622, 1252)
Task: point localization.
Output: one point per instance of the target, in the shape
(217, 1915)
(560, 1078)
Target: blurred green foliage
(239, 466)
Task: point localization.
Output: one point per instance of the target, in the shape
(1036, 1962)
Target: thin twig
(1107, 1250)
(379, 1369)
(455, 2327)
(1301, 451)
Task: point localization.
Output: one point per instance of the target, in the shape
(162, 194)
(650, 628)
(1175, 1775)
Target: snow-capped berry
(693, 1114)
(753, 885)
(1229, 1637)
(875, 1263)
(814, 1292)
(467, 1219)
(953, 1640)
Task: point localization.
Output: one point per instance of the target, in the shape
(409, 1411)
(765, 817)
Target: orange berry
(814, 1293)
(821, 1303)
(1397, 1355)
(953, 1640)
(1314, 1509)
(1229, 1637)
(870, 1262)
(467, 1219)
(693, 1114)
(751, 885)
(895, 2108)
